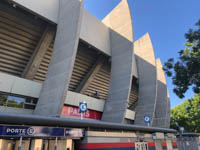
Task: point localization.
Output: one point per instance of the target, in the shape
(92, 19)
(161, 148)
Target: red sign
(74, 111)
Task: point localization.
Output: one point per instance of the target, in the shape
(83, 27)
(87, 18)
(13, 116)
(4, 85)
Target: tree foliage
(187, 115)
(3, 99)
(185, 72)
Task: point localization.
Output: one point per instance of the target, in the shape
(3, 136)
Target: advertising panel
(74, 111)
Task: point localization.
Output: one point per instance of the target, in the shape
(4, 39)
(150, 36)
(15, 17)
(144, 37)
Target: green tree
(185, 72)
(3, 99)
(14, 103)
(187, 115)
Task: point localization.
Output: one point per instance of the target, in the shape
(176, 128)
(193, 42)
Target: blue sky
(166, 21)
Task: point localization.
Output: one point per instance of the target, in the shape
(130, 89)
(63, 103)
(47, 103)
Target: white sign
(147, 119)
(82, 107)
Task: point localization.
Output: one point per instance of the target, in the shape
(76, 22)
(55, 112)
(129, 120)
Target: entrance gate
(36, 144)
(38, 138)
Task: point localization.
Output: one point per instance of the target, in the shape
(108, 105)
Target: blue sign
(34, 131)
(147, 119)
(82, 107)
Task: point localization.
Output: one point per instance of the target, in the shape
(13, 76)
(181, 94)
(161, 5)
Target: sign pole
(147, 120)
(20, 143)
(81, 116)
(82, 109)
(56, 142)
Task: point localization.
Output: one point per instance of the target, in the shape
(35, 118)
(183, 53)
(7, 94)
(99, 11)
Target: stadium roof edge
(19, 119)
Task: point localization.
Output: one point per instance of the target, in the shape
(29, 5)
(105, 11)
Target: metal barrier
(188, 141)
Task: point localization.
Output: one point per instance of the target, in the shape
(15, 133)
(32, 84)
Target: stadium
(57, 56)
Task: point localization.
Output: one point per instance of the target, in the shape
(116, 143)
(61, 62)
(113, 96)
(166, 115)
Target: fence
(188, 141)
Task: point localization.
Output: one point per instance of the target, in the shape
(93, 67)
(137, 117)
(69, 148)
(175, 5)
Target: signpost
(82, 108)
(56, 143)
(147, 119)
(20, 143)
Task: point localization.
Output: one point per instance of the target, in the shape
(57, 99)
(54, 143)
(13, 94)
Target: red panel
(82, 146)
(110, 145)
(151, 144)
(74, 111)
(105, 145)
(164, 144)
(174, 144)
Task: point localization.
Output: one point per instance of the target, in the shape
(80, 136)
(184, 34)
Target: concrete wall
(19, 86)
(9, 84)
(162, 105)
(23, 87)
(95, 33)
(55, 87)
(147, 79)
(75, 98)
(48, 9)
(15, 110)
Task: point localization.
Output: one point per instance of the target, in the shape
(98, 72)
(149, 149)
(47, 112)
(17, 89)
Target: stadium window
(14, 101)
(9, 100)
(30, 103)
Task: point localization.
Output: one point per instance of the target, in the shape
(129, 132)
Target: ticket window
(70, 144)
(13, 144)
(7, 144)
(61, 145)
(36, 144)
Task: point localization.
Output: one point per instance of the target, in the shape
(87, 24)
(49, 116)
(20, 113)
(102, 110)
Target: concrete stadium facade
(58, 55)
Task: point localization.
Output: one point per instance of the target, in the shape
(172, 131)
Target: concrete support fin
(168, 110)
(90, 75)
(39, 52)
(146, 64)
(121, 79)
(162, 104)
(120, 20)
(55, 87)
(121, 35)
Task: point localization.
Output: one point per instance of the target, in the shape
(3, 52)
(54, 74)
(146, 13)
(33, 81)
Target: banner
(35, 131)
(74, 111)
